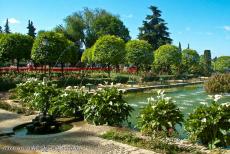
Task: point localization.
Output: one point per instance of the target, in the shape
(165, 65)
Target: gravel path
(81, 139)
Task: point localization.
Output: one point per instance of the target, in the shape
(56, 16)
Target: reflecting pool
(187, 99)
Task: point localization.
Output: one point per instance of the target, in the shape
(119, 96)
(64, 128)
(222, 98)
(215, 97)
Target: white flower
(158, 92)
(64, 95)
(217, 97)
(162, 92)
(168, 98)
(69, 87)
(75, 87)
(36, 94)
(227, 104)
(203, 103)
(123, 90)
(111, 83)
(99, 88)
(203, 120)
(110, 103)
(153, 107)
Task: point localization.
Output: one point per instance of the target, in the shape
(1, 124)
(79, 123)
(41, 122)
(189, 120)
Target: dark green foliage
(180, 49)
(190, 61)
(154, 29)
(222, 64)
(31, 29)
(107, 107)
(1, 29)
(86, 26)
(160, 115)
(7, 28)
(218, 84)
(210, 125)
(207, 62)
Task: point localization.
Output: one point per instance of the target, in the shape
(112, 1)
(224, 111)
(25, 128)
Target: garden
(155, 96)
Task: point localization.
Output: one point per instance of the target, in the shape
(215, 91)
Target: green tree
(207, 62)
(190, 61)
(15, 46)
(109, 50)
(222, 64)
(166, 58)
(50, 48)
(139, 53)
(154, 29)
(108, 24)
(31, 29)
(87, 56)
(0, 29)
(86, 26)
(7, 28)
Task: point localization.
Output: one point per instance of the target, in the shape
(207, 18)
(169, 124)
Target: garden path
(82, 139)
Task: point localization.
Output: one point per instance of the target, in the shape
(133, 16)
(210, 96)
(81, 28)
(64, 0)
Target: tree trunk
(18, 65)
(109, 70)
(62, 70)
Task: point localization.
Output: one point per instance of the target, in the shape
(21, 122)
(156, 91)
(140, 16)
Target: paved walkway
(81, 139)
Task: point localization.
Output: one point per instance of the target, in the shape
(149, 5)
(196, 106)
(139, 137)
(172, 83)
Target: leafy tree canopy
(139, 53)
(222, 63)
(86, 26)
(109, 49)
(167, 56)
(50, 47)
(15, 46)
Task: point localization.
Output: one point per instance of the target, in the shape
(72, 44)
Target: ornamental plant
(210, 124)
(44, 92)
(70, 102)
(24, 91)
(160, 116)
(218, 84)
(107, 107)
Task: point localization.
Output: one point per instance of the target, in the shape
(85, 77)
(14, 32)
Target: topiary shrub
(160, 115)
(107, 107)
(210, 124)
(218, 84)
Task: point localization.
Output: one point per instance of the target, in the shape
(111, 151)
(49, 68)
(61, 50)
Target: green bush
(210, 124)
(107, 107)
(25, 91)
(218, 84)
(159, 115)
(70, 102)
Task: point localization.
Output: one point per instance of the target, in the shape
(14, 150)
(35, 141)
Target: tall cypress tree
(180, 49)
(188, 46)
(154, 29)
(31, 29)
(207, 62)
(0, 29)
(7, 28)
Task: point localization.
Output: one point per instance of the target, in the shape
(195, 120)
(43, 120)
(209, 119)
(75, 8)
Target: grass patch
(157, 145)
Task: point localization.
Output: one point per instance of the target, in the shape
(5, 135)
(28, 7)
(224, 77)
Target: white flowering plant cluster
(210, 124)
(24, 91)
(70, 102)
(160, 115)
(107, 106)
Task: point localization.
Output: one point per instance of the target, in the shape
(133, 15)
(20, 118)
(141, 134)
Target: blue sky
(204, 24)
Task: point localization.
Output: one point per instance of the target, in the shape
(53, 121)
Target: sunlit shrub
(218, 84)
(160, 115)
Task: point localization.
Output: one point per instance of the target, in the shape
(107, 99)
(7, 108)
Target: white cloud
(13, 21)
(127, 16)
(227, 28)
